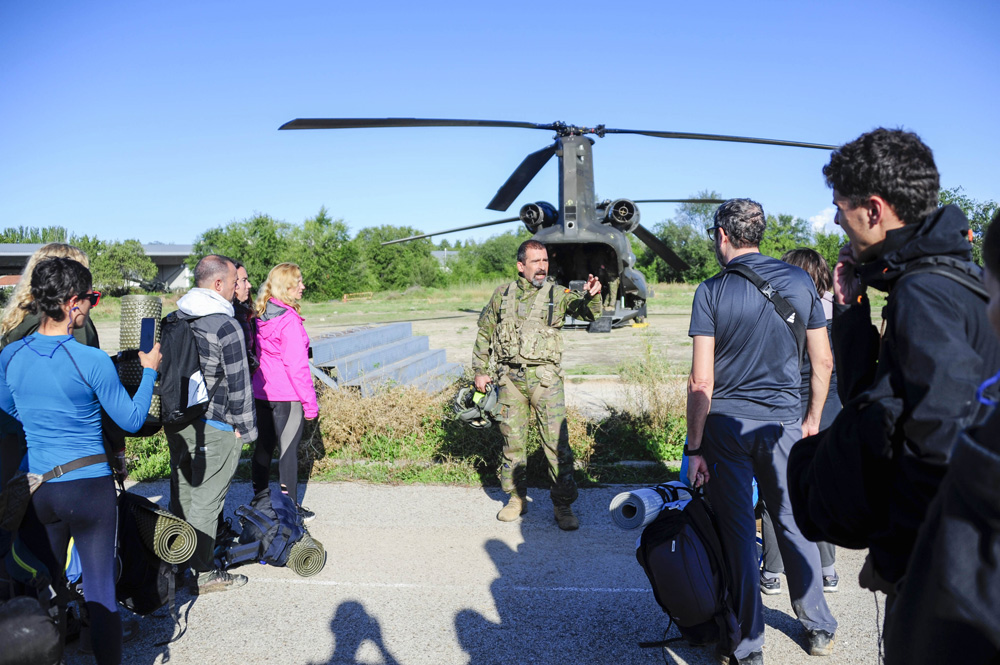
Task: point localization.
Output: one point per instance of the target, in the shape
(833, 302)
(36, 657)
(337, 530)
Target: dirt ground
(591, 361)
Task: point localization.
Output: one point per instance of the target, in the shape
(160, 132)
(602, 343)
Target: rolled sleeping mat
(166, 535)
(631, 510)
(134, 310)
(307, 557)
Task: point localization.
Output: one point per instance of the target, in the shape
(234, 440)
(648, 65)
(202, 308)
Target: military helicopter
(583, 236)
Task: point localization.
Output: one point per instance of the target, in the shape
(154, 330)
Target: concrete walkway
(426, 575)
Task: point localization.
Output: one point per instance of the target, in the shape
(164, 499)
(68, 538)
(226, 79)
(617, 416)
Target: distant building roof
(16, 255)
(9, 280)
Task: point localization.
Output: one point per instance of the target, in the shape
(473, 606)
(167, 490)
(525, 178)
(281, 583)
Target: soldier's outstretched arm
(585, 305)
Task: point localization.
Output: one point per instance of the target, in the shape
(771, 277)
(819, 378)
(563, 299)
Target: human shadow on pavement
(352, 626)
(485, 640)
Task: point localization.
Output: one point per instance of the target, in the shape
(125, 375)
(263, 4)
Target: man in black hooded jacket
(869, 480)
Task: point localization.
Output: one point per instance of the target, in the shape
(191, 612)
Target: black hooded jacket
(952, 608)
(868, 480)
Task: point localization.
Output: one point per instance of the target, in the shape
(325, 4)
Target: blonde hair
(17, 306)
(281, 284)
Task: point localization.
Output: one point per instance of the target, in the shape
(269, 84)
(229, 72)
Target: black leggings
(87, 510)
(278, 423)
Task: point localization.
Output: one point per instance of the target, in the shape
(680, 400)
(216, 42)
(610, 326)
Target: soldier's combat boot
(517, 505)
(566, 519)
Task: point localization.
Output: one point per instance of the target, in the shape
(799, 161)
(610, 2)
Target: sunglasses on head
(93, 296)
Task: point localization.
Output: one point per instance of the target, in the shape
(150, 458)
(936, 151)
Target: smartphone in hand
(147, 334)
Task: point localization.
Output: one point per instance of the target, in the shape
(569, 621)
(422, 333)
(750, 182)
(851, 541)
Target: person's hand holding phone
(149, 350)
(151, 359)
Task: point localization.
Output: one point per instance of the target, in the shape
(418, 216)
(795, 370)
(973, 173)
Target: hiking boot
(755, 658)
(517, 505)
(820, 642)
(769, 586)
(306, 514)
(566, 519)
(831, 583)
(218, 580)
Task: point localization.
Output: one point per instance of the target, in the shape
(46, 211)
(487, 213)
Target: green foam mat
(307, 557)
(166, 535)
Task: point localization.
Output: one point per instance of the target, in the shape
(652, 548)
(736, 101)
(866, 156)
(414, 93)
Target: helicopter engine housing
(538, 215)
(622, 214)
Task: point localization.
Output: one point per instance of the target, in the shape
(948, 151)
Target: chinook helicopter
(583, 236)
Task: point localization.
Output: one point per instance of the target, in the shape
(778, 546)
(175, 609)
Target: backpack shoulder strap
(967, 274)
(539, 300)
(782, 307)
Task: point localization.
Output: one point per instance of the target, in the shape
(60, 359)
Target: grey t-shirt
(756, 357)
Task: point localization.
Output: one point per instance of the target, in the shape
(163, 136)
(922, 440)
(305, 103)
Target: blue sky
(157, 121)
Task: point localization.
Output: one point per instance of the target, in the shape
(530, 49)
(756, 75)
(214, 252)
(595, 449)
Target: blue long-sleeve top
(60, 411)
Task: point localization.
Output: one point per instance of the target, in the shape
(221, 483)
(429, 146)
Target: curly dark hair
(53, 283)
(892, 164)
(743, 221)
(522, 251)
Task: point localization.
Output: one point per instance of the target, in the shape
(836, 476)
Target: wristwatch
(692, 453)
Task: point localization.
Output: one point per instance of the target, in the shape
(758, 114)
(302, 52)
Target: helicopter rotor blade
(678, 200)
(719, 137)
(461, 228)
(660, 248)
(359, 123)
(520, 178)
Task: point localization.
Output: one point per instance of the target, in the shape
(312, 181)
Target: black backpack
(146, 582)
(683, 558)
(270, 525)
(181, 386)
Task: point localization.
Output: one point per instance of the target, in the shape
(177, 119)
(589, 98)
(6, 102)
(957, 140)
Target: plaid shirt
(224, 364)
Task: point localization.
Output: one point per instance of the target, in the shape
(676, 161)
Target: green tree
(397, 266)
(119, 266)
(323, 250)
(91, 246)
(828, 245)
(494, 259)
(259, 242)
(690, 242)
(783, 233)
(979, 214)
(686, 234)
(33, 234)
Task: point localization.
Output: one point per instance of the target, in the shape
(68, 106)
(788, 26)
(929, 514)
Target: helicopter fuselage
(582, 241)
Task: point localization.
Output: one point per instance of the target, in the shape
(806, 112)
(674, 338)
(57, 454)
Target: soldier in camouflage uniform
(519, 328)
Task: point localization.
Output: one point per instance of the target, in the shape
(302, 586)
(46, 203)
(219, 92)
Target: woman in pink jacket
(283, 386)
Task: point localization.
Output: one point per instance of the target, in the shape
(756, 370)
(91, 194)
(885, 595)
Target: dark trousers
(203, 461)
(772, 556)
(279, 425)
(737, 449)
(87, 511)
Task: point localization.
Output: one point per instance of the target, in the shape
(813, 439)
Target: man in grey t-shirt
(744, 414)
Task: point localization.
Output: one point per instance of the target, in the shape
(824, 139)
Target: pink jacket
(283, 345)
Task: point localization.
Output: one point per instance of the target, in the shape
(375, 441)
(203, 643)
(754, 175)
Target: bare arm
(701, 383)
(821, 359)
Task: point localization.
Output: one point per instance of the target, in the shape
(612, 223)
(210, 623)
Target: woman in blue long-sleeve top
(56, 387)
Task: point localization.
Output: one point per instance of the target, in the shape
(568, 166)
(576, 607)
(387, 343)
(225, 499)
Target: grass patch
(148, 458)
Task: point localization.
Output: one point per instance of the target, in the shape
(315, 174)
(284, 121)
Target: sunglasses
(94, 297)
(712, 231)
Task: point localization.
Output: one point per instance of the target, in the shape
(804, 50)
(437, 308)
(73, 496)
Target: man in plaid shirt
(205, 452)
